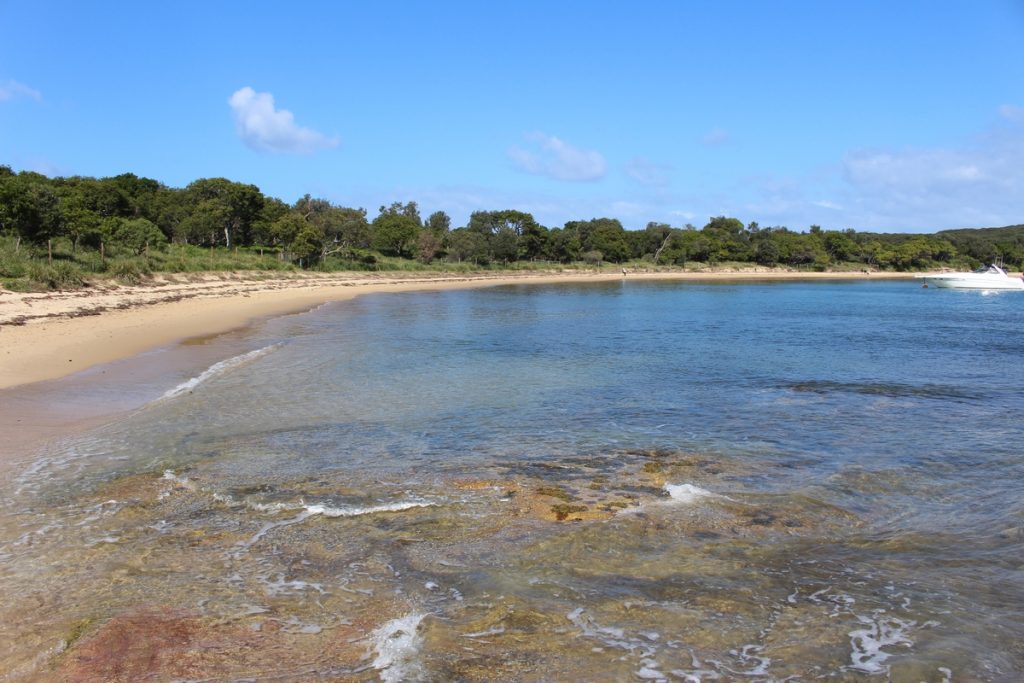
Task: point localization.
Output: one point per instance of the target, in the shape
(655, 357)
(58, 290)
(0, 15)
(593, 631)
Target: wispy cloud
(685, 215)
(13, 90)
(1012, 113)
(716, 137)
(266, 129)
(976, 184)
(647, 172)
(554, 158)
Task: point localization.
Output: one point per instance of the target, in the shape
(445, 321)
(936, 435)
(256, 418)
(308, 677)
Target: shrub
(57, 275)
(129, 271)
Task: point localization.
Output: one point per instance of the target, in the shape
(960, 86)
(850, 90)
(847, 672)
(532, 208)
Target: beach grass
(61, 266)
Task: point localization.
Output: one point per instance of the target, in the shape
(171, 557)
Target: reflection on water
(616, 482)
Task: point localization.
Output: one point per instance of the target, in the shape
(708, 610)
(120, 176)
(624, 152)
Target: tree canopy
(140, 214)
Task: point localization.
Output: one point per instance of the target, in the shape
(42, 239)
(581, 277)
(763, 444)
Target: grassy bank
(60, 266)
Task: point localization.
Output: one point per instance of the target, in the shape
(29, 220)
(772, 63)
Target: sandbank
(52, 335)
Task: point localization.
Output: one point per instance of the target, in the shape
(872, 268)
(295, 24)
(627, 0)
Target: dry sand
(50, 335)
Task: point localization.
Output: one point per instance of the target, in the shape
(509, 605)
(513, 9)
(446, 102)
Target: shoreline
(48, 336)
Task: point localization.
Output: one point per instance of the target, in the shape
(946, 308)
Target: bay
(631, 480)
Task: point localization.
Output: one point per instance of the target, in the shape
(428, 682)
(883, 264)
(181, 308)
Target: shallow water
(624, 481)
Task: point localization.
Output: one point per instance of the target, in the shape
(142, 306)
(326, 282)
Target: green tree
(767, 251)
(262, 228)
(564, 245)
(605, 235)
(505, 245)
(349, 229)
(396, 228)
(286, 229)
(533, 240)
(465, 244)
(227, 208)
(839, 245)
(137, 234)
(29, 207)
(439, 224)
(307, 244)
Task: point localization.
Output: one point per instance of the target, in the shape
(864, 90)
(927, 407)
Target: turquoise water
(771, 480)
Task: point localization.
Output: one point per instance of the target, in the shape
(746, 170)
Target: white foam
(308, 511)
(328, 511)
(179, 480)
(217, 369)
(750, 655)
(648, 673)
(687, 494)
(867, 643)
(396, 643)
(698, 673)
(611, 636)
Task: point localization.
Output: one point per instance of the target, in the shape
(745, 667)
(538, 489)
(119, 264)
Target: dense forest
(54, 230)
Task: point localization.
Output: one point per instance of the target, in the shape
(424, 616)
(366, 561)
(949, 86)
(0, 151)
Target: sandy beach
(54, 334)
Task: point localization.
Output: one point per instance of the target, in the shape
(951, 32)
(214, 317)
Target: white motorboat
(986, 277)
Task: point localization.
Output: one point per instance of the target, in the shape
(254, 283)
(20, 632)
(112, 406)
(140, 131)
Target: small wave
(678, 495)
(397, 643)
(687, 494)
(305, 510)
(308, 511)
(217, 369)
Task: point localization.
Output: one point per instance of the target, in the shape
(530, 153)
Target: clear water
(755, 481)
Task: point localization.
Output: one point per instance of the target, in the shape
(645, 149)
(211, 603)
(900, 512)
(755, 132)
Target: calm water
(622, 481)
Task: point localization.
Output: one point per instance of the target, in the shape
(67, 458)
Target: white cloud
(716, 137)
(647, 172)
(554, 158)
(13, 90)
(266, 129)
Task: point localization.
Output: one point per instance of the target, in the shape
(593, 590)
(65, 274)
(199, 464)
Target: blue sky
(894, 116)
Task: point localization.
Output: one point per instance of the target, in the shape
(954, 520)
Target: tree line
(135, 215)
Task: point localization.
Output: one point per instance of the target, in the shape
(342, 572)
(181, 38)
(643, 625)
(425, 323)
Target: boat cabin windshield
(989, 270)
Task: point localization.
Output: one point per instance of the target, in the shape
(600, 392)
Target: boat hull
(967, 283)
(992, 276)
